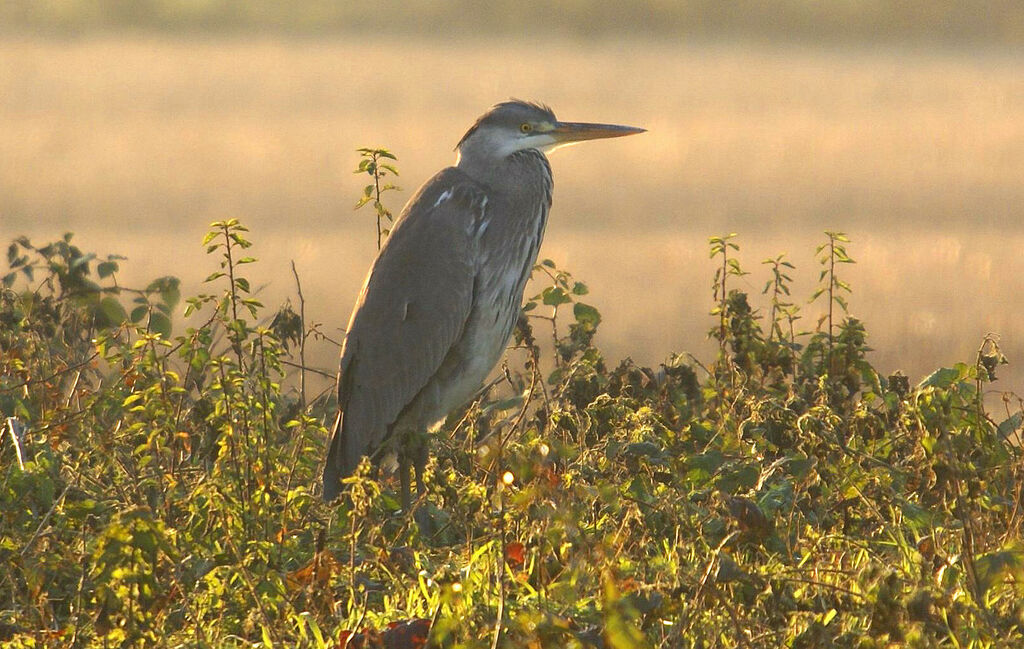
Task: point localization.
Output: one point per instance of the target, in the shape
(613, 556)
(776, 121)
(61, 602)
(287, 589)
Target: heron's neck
(525, 170)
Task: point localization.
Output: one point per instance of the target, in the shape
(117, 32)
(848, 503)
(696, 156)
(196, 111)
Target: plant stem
(376, 203)
(302, 328)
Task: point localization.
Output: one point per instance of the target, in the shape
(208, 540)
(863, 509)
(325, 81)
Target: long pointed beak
(568, 132)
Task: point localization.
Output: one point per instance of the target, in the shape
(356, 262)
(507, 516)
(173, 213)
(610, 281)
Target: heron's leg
(418, 456)
(419, 463)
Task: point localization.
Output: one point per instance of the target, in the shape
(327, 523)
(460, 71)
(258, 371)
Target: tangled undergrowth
(161, 488)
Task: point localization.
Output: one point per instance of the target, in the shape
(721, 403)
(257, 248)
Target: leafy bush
(160, 489)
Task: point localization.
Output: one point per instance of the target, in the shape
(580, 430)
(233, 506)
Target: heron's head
(517, 125)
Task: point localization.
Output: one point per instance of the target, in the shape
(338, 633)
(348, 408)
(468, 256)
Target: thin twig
(252, 589)
(70, 368)
(306, 368)
(13, 422)
(355, 629)
(501, 555)
(302, 339)
(825, 584)
(42, 523)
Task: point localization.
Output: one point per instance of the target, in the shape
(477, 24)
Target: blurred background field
(135, 124)
(930, 21)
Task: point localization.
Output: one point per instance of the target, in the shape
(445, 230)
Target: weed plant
(160, 488)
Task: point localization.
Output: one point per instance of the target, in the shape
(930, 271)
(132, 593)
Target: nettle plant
(169, 470)
(158, 485)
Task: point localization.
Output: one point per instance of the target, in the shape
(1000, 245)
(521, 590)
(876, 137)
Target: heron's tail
(334, 469)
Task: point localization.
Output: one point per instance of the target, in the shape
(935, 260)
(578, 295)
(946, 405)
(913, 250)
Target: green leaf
(168, 288)
(253, 305)
(586, 315)
(928, 443)
(800, 466)
(997, 566)
(701, 467)
(106, 268)
(619, 630)
(739, 479)
(1010, 424)
(941, 378)
(161, 324)
(82, 260)
(638, 490)
(110, 313)
(649, 450)
(828, 617)
(555, 296)
(780, 497)
(918, 519)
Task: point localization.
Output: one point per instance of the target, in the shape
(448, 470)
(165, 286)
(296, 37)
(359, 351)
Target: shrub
(160, 488)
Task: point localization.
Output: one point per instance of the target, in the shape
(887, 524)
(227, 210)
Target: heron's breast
(476, 353)
(507, 243)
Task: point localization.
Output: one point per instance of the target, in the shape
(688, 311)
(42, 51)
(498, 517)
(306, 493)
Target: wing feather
(411, 311)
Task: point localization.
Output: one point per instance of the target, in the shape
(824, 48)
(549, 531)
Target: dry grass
(136, 144)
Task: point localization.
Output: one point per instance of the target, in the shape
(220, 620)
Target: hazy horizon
(137, 142)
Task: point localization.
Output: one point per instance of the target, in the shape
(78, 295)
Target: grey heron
(442, 297)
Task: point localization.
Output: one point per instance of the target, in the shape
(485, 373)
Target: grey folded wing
(410, 313)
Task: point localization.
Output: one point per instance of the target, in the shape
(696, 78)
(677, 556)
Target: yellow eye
(526, 127)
